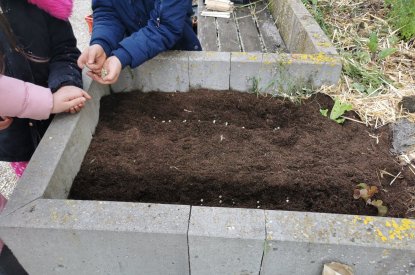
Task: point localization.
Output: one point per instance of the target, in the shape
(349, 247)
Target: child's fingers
(86, 95)
(82, 59)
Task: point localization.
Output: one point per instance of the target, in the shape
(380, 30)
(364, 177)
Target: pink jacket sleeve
(24, 99)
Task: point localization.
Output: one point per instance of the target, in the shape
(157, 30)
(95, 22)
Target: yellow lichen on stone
(403, 230)
(324, 44)
(368, 220)
(253, 58)
(316, 58)
(380, 235)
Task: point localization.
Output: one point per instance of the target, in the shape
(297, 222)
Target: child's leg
(19, 167)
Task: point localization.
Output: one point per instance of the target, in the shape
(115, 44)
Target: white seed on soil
(226, 124)
(163, 121)
(154, 117)
(220, 196)
(259, 206)
(198, 120)
(243, 127)
(221, 137)
(287, 200)
(214, 121)
(220, 201)
(169, 120)
(184, 121)
(201, 200)
(257, 201)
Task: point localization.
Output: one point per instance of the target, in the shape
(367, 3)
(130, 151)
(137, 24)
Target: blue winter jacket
(137, 30)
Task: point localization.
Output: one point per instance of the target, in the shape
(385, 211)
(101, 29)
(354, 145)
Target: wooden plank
(248, 30)
(228, 35)
(206, 30)
(270, 35)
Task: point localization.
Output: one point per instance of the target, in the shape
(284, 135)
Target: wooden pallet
(250, 29)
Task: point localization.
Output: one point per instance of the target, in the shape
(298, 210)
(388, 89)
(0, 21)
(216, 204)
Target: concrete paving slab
(82, 237)
(209, 70)
(371, 245)
(226, 240)
(167, 72)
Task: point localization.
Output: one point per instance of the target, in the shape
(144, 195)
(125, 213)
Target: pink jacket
(61, 9)
(24, 99)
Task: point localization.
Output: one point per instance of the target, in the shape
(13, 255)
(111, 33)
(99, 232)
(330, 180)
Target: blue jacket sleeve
(162, 32)
(108, 29)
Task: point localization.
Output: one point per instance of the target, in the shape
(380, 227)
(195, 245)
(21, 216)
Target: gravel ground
(82, 8)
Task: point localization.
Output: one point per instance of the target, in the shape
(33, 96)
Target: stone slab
(404, 137)
(371, 245)
(167, 72)
(59, 155)
(209, 70)
(226, 240)
(91, 237)
(244, 71)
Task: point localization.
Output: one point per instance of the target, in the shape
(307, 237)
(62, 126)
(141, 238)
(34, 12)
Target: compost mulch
(234, 149)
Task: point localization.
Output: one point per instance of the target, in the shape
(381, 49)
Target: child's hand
(93, 57)
(110, 71)
(69, 99)
(5, 122)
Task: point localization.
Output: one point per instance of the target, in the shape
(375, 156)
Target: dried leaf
(372, 191)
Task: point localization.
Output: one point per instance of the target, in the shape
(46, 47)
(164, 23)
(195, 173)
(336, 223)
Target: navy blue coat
(137, 30)
(44, 36)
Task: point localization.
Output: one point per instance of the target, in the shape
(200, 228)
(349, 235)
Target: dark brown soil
(237, 150)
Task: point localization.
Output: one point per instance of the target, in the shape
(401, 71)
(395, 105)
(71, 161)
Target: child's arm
(108, 29)
(162, 32)
(24, 99)
(63, 69)
(27, 100)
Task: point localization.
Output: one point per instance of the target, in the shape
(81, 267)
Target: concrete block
(226, 240)
(167, 72)
(125, 81)
(244, 71)
(59, 155)
(286, 73)
(284, 19)
(84, 237)
(300, 243)
(209, 70)
(299, 33)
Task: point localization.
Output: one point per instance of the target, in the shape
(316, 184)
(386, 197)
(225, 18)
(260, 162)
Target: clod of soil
(238, 150)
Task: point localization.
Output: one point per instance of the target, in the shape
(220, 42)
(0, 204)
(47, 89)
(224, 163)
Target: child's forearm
(24, 99)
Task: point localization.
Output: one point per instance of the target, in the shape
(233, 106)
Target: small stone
(169, 121)
(184, 121)
(259, 206)
(201, 200)
(220, 201)
(243, 127)
(257, 201)
(408, 103)
(163, 121)
(220, 196)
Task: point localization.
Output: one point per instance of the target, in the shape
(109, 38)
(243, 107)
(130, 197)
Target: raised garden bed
(238, 150)
(89, 237)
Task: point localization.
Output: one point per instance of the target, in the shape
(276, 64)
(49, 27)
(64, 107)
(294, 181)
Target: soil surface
(238, 150)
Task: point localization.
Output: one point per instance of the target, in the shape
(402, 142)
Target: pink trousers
(18, 168)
